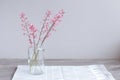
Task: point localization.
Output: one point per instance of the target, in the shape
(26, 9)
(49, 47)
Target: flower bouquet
(37, 37)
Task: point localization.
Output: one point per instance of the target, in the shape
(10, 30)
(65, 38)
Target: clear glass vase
(36, 61)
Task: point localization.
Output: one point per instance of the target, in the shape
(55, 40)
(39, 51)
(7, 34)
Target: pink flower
(48, 13)
(32, 28)
(57, 17)
(22, 15)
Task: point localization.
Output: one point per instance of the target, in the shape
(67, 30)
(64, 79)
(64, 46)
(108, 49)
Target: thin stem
(27, 32)
(40, 34)
(34, 44)
(47, 33)
(34, 59)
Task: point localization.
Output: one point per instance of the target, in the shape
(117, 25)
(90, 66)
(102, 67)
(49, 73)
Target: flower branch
(37, 38)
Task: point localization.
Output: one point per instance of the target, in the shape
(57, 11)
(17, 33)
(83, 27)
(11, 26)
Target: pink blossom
(48, 13)
(32, 28)
(33, 31)
(58, 16)
(22, 15)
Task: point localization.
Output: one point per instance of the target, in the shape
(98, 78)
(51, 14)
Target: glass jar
(36, 60)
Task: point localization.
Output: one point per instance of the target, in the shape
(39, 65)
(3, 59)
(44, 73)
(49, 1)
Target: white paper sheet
(90, 72)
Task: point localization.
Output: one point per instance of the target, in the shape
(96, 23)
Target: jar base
(35, 70)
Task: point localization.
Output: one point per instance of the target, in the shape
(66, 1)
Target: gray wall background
(90, 29)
